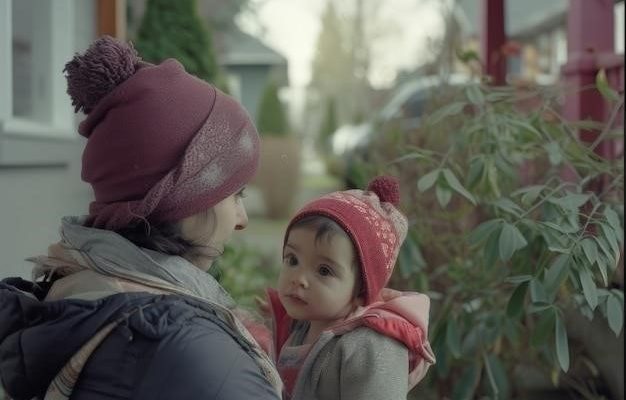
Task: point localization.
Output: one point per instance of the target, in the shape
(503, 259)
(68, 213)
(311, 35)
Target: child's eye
(325, 270)
(290, 259)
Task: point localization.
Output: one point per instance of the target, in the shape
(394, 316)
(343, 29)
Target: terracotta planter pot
(278, 177)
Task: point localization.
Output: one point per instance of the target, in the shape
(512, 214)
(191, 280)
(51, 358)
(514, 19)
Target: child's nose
(300, 280)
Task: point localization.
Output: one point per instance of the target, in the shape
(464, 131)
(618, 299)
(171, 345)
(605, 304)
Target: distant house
(249, 65)
(539, 27)
(247, 61)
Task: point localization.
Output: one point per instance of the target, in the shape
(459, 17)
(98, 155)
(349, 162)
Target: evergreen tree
(271, 118)
(329, 125)
(173, 29)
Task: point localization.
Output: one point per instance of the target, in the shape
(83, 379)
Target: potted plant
(279, 168)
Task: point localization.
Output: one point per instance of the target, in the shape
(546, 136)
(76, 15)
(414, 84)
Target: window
(36, 39)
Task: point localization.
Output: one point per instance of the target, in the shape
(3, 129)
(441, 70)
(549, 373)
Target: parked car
(403, 112)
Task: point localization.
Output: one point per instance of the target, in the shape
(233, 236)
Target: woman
(122, 306)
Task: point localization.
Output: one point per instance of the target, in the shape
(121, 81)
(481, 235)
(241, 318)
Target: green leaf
(572, 201)
(538, 292)
(443, 195)
(589, 287)
(465, 387)
(539, 307)
(453, 339)
(446, 111)
(556, 227)
(605, 249)
(492, 178)
(516, 302)
(531, 194)
(614, 222)
(603, 270)
(590, 249)
(554, 153)
(517, 279)
(609, 235)
(562, 346)
(408, 157)
(428, 180)
(542, 330)
(477, 165)
(465, 56)
(619, 294)
(511, 240)
(498, 379)
(456, 185)
(482, 231)
(491, 248)
(475, 94)
(556, 274)
(615, 314)
(603, 87)
(508, 205)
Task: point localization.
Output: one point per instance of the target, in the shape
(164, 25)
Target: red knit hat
(162, 144)
(373, 223)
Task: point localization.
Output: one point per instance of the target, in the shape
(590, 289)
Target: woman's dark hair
(164, 237)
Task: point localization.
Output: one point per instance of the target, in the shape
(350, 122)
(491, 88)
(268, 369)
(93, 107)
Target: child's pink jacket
(402, 316)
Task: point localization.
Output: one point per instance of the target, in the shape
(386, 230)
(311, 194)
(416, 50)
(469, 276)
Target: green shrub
(329, 126)
(245, 272)
(173, 29)
(505, 255)
(271, 118)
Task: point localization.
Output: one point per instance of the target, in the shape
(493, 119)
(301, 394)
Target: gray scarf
(109, 254)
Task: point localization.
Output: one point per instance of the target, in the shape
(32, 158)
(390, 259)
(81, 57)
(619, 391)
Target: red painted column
(589, 41)
(492, 40)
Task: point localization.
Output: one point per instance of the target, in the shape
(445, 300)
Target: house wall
(34, 198)
(252, 80)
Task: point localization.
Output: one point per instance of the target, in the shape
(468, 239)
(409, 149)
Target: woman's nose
(242, 218)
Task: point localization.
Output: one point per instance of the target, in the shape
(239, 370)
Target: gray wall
(33, 199)
(32, 202)
(253, 80)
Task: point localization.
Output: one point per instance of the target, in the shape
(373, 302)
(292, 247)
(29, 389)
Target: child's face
(317, 280)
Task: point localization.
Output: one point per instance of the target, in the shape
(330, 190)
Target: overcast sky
(292, 26)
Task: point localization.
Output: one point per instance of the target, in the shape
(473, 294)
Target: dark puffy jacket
(169, 347)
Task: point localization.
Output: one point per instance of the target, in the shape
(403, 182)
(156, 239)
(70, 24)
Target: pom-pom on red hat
(372, 221)
(162, 144)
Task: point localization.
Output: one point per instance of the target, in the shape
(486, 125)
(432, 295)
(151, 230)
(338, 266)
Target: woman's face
(211, 230)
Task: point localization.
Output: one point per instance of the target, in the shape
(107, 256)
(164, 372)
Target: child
(338, 333)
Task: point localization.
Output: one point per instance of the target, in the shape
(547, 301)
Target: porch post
(492, 39)
(112, 18)
(589, 45)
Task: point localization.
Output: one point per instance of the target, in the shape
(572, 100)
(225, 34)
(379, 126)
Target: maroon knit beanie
(162, 144)
(373, 223)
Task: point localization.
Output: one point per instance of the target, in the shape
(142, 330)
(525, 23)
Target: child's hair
(326, 229)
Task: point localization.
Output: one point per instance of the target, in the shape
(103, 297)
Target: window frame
(23, 141)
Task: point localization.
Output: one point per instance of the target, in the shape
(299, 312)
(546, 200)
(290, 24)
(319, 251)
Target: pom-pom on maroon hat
(162, 144)
(372, 221)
